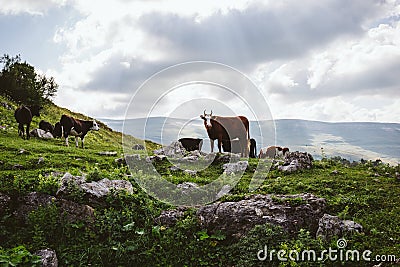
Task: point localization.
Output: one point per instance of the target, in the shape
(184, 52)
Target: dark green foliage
(20, 82)
(18, 256)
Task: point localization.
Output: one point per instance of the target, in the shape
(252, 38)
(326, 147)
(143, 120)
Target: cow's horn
(204, 112)
(211, 113)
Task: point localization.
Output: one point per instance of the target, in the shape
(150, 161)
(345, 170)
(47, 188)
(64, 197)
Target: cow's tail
(62, 131)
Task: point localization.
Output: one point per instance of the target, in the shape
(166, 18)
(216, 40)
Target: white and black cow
(46, 126)
(76, 127)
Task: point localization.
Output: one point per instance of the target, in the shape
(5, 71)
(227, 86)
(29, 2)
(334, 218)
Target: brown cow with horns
(227, 128)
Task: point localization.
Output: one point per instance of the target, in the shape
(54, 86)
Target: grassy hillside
(57, 157)
(124, 233)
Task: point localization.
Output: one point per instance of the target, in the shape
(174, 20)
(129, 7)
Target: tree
(20, 82)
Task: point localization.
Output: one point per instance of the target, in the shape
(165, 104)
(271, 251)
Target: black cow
(191, 144)
(253, 148)
(76, 127)
(227, 128)
(46, 126)
(57, 132)
(23, 115)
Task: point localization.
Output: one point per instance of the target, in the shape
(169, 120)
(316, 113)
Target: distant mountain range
(351, 140)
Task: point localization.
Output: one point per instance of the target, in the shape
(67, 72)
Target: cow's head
(95, 126)
(35, 109)
(207, 119)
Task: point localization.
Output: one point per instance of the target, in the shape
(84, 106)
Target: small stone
(18, 167)
(190, 172)
(335, 172)
(108, 153)
(138, 147)
(41, 160)
(48, 257)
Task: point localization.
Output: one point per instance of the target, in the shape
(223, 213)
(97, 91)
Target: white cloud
(28, 6)
(308, 57)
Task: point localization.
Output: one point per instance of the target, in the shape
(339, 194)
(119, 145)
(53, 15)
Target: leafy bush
(18, 256)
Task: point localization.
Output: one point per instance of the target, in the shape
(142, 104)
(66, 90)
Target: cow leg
(66, 141)
(212, 145)
(21, 130)
(219, 145)
(27, 131)
(82, 139)
(76, 141)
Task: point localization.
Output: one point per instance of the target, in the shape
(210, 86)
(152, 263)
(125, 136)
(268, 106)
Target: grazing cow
(272, 152)
(253, 148)
(23, 115)
(57, 132)
(227, 128)
(76, 127)
(191, 144)
(46, 126)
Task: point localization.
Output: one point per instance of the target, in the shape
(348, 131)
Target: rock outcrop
(236, 167)
(94, 192)
(330, 226)
(41, 134)
(291, 212)
(295, 161)
(48, 257)
(175, 149)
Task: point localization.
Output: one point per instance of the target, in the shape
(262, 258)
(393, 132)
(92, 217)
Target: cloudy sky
(331, 60)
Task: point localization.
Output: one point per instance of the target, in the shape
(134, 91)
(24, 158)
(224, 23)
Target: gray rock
(187, 187)
(69, 183)
(190, 158)
(224, 190)
(138, 147)
(108, 153)
(18, 167)
(170, 217)
(120, 161)
(239, 166)
(22, 151)
(103, 187)
(73, 212)
(292, 167)
(294, 161)
(93, 191)
(4, 201)
(174, 168)
(190, 172)
(175, 149)
(48, 257)
(155, 158)
(40, 160)
(223, 157)
(330, 226)
(32, 202)
(41, 134)
(292, 212)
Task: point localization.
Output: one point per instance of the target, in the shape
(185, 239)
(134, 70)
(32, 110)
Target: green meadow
(124, 233)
